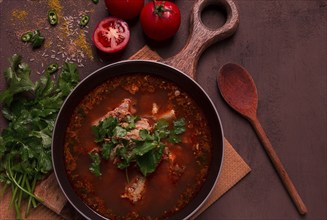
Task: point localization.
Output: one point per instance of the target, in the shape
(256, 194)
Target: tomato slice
(111, 35)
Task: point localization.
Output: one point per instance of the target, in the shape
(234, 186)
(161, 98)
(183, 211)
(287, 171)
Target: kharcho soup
(137, 147)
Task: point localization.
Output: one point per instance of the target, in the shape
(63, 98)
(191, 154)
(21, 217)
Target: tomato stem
(159, 9)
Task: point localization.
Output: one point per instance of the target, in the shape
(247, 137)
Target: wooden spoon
(239, 91)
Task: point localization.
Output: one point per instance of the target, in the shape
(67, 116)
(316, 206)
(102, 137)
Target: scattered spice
(55, 5)
(19, 14)
(67, 41)
(84, 45)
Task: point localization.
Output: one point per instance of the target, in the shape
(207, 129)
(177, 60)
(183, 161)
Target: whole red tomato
(124, 9)
(160, 20)
(111, 35)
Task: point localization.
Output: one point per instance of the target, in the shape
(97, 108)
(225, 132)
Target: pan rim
(90, 214)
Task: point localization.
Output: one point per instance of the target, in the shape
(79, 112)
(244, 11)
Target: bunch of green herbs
(146, 152)
(30, 109)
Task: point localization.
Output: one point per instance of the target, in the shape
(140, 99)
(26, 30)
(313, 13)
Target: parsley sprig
(145, 152)
(30, 109)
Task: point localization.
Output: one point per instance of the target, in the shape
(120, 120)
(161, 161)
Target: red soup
(137, 147)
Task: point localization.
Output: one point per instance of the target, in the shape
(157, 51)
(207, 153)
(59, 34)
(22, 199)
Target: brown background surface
(283, 45)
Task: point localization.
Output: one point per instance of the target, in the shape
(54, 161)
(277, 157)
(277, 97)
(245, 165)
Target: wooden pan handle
(202, 37)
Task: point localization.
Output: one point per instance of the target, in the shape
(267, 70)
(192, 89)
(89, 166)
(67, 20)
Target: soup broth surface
(127, 193)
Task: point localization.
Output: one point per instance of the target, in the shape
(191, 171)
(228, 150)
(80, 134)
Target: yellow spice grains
(19, 14)
(55, 4)
(84, 45)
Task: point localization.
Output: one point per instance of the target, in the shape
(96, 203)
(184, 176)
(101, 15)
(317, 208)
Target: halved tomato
(111, 35)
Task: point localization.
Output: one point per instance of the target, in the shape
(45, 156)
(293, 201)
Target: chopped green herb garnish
(95, 165)
(179, 128)
(145, 150)
(52, 17)
(31, 110)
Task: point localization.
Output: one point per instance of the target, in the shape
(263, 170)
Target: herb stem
(34, 202)
(17, 208)
(29, 198)
(126, 174)
(20, 195)
(17, 184)
(14, 191)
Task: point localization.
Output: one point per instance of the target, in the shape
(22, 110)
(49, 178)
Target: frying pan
(179, 69)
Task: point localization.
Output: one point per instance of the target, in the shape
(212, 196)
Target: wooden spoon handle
(279, 166)
(202, 37)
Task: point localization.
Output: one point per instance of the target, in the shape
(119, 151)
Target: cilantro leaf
(179, 126)
(149, 161)
(146, 152)
(161, 129)
(68, 79)
(104, 129)
(44, 87)
(106, 150)
(2, 147)
(95, 165)
(131, 120)
(17, 78)
(145, 147)
(119, 132)
(145, 135)
(31, 110)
